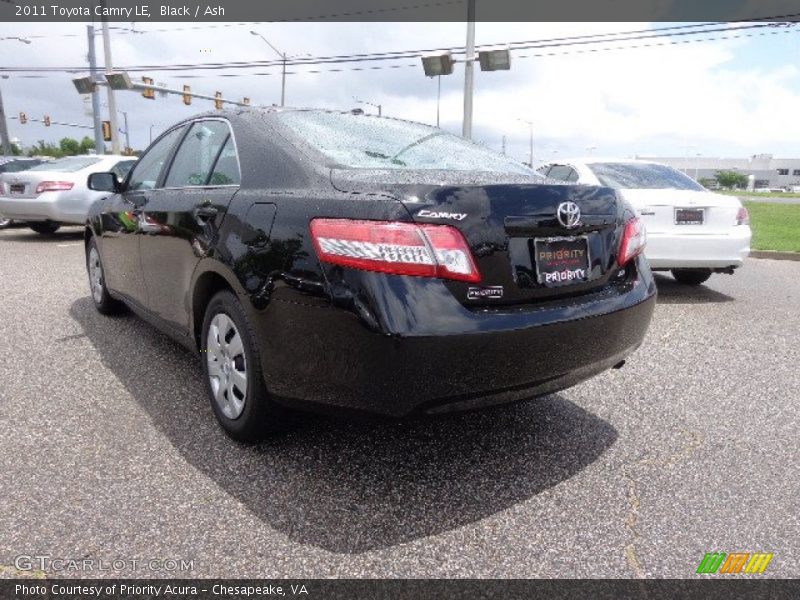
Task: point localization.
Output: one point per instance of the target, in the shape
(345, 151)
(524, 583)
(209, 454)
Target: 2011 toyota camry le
(335, 260)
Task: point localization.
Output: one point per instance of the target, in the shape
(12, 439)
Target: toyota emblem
(569, 214)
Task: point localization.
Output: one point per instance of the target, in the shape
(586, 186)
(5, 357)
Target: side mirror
(103, 182)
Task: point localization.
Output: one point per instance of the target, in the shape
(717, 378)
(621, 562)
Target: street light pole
(469, 64)
(112, 102)
(438, 98)
(4, 127)
(283, 61)
(99, 144)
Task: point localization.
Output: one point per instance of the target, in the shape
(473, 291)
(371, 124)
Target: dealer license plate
(561, 260)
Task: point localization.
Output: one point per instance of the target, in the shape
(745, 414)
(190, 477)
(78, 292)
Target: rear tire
(103, 301)
(691, 276)
(45, 227)
(232, 372)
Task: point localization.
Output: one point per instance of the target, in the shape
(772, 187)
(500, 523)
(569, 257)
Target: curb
(774, 255)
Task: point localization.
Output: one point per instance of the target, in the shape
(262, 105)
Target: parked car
(690, 230)
(50, 194)
(15, 164)
(333, 260)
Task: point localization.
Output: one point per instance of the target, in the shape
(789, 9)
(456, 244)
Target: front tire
(45, 227)
(232, 372)
(691, 276)
(103, 301)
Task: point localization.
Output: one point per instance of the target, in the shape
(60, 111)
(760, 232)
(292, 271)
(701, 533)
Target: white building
(769, 172)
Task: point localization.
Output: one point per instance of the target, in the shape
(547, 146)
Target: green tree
(87, 144)
(69, 146)
(731, 179)
(41, 148)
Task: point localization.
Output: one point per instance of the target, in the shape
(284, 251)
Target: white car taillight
(634, 238)
(742, 216)
(54, 186)
(395, 247)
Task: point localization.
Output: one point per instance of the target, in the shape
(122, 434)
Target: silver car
(55, 193)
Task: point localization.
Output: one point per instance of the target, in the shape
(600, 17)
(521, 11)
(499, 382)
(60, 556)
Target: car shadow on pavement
(351, 487)
(672, 292)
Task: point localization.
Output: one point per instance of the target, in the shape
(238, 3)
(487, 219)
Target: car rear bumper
(714, 251)
(321, 356)
(49, 206)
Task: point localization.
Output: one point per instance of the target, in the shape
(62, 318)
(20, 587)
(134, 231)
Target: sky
(725, 98)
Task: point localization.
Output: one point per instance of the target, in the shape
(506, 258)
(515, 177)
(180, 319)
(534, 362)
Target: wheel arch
(208, 280)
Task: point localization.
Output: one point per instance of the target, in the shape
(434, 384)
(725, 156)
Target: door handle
(205, 213)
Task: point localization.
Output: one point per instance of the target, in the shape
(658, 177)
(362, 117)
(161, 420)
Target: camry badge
(569, 214)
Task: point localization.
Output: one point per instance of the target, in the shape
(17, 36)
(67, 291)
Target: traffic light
(218, 100)
(23, 118)
(246, 101)
(47, 120)
(187, 98)
(149, 94)
(106, 131)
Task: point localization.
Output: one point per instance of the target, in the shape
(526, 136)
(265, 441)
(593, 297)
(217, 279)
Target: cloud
(727, 97)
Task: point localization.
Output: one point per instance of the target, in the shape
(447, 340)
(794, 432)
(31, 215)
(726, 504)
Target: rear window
(366, 142)
(15, 166)
(68, 165)
(642, 176)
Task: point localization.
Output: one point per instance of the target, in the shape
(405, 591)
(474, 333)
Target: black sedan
(320, 259)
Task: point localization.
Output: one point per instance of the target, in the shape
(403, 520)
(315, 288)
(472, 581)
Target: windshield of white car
(67, 165)
(642, 176)
(367, 142)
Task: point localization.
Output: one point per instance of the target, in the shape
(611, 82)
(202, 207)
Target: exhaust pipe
(619, 365)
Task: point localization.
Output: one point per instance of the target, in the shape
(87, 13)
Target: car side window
(572, 176)
(198, 154)
(543, 170)
(226, 171)
(147, 170)
(559, 172)
(121, 169)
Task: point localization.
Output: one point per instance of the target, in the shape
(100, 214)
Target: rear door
(179, 222)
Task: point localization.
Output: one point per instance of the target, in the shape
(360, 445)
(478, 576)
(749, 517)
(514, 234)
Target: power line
(603, 38)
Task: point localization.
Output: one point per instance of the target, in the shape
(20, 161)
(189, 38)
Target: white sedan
(690, 231)
(54, 193)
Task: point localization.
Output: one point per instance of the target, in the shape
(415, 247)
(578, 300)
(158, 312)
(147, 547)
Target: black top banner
(144, 11)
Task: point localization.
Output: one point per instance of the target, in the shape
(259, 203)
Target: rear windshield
(366, 142)
(642, 176)
(15, 166)
(68, 165)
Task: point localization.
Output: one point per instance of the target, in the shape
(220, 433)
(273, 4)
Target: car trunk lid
(688, 212)
(508, 221)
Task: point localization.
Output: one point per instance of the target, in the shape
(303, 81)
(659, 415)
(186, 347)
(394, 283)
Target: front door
(180, 221)
(121, 220)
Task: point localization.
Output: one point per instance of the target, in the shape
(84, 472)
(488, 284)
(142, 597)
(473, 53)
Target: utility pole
(99, 144)
(127, 135)
(4, 126)
(469, 63)
(503, 147)
(438, 98)
(112, 103)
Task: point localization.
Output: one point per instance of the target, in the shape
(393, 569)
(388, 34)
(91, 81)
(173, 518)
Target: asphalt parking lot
(109, 450)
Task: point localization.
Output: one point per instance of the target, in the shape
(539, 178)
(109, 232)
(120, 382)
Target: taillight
(633, 241)
(742, 216)
(53, 186)
(394, 247)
